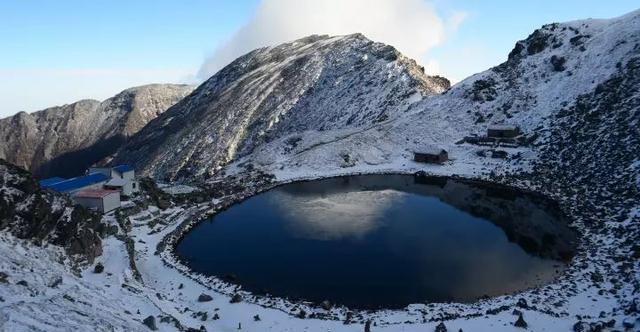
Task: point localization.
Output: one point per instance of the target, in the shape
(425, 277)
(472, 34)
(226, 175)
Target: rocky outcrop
(64, 140)
(317, 83)
(29, 212)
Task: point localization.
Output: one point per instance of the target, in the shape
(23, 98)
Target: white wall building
(101, 200)
(125, 187)
(100, 189)
(123, 178)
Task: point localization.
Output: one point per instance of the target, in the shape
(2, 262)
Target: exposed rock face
(317, 83)
(580, 112)
(580, 119)
(546, 72)
(29, 212)
(65, 140)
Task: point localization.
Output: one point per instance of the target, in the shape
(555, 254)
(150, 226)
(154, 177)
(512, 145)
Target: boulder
(628, 323)
(441, 327)
(326, 305)
(55, 282)
(237, 298)
(99, 268)
(150, 322)
(302, 314)
(522, 303)
(205, 298)
(558, 63)
(520, 322)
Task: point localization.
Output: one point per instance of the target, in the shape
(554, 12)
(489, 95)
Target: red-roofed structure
(95, 193)
(102, 200)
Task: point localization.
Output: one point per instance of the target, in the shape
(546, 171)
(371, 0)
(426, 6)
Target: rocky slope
(317, 83)
(574, 90)
(528, 90)
(64, 140)
(45, 217)
(572, 87)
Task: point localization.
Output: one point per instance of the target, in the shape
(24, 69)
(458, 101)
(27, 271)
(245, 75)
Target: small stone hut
(431, 156)
(503, 131)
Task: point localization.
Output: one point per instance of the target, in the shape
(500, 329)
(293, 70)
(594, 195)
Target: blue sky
(56, 52)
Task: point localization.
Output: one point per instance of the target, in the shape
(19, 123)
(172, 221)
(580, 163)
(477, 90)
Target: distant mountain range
(339, 102)
(65, 140)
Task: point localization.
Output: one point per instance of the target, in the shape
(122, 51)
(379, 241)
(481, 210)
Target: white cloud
(433, 67)
(412, 26)
(454, 21)
(336, 215)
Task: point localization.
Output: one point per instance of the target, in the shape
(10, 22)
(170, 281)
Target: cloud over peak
(412, 26)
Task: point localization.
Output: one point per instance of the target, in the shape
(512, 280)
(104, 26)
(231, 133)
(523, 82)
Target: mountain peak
(316, 83)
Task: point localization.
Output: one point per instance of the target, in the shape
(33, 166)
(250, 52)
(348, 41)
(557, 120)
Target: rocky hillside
(64, 140)
(561, 72)
(547, 72)
(574, 90)
(323, 107)
(29, 212)
(318, 83)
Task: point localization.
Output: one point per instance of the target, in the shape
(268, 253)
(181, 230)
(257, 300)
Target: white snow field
(589, 166)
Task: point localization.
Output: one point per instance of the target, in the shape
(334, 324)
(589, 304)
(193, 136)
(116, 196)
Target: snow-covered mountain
(317, 83)
(539, 88)
(64, 140)
(327, 106)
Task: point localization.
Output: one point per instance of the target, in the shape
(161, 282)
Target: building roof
(116, 182)
(503, 127)
(45, 183)
(123, 168)
(431, 150)
(95, 193)
(79, 182)
(100, 168)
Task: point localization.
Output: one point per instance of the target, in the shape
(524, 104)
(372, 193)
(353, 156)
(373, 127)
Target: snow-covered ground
(600, 285)
(115, 300)
(176, 189)
(55, 299)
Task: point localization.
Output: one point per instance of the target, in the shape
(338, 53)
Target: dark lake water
(383, 241)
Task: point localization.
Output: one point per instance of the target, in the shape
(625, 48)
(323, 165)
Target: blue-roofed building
(123, 178)
(120, 171)
(123, 168)
(90, 181)
(100, 189)
(46, 183)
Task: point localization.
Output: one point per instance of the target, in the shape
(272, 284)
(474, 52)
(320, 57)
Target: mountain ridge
(64, 140)
(314, 83)
(574, 90)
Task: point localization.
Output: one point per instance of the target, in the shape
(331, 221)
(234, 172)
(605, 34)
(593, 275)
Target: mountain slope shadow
(76, 162)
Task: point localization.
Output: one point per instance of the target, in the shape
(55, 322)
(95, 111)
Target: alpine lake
(384, 241)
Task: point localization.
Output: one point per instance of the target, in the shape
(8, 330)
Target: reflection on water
(383, 241)
(336, 215)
